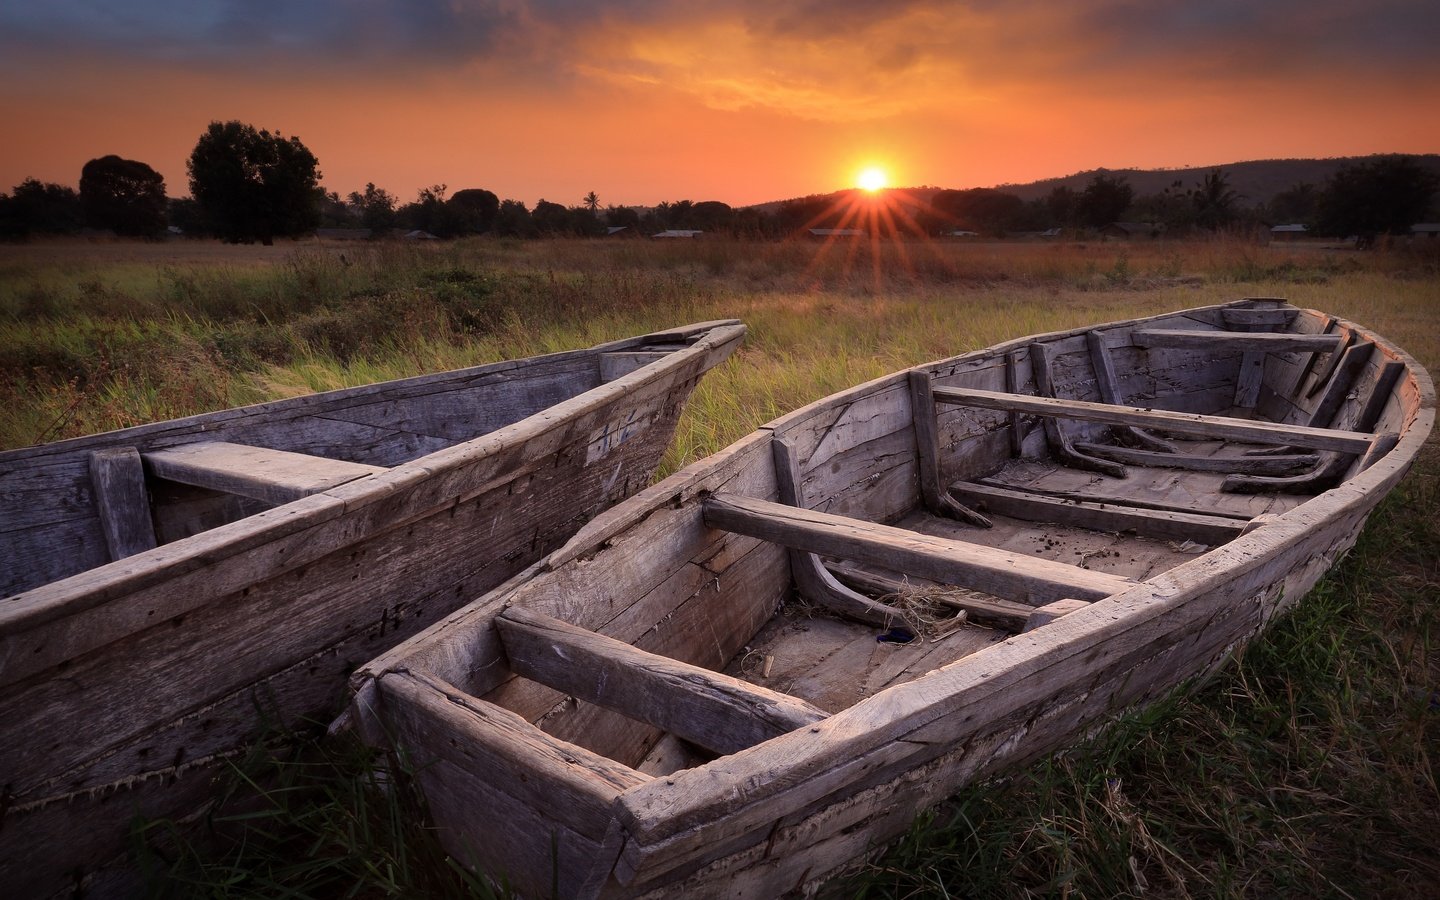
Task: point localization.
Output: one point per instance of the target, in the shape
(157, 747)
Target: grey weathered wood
(1117, 500)
(1221, 427)
(1352, 362)
(1332, 466)
(1060, 444)
(1312, 358)
(1322, 374)
(1012, 385)
(1280, 316)
(927, 446)
(164, 654)
(1250, 379)
(275, 476)
(992, 612)
(1052, 611)
(812, 579)
(997, 572)
(118, 479)
(1263, 342)
(1252, 465)
(1109, 387)
(1101, 516)
(712, 710)
(618, 363)
(568, 784)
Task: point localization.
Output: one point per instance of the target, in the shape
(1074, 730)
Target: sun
(872, 179)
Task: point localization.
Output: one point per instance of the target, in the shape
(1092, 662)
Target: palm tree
(1214, 200)
(592, 201)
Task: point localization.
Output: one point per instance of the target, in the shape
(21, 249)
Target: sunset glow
(744, 103)
(872, 179)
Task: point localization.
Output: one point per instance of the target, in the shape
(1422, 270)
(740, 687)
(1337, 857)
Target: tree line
(248, 185)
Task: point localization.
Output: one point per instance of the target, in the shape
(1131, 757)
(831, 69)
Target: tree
(1384, 196)
(36, 207)
(476, 209)
(123, 195)
(1295, 205)
(592, 201)
(1214, 201)
(1104, 199)
(550, 218)
(376, 208)
(513, 220)
(980, 209)
(254, 185)
(622, 217)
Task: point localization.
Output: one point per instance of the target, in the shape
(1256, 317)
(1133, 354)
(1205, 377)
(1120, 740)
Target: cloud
(827, 60)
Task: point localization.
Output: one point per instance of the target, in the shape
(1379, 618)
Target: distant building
(679, 233)
(1133, 230)
(1287, 232)
(418, 235)
(342, 234)
(612, 230)
(836, 232)
(962, 233)
(1426, 230)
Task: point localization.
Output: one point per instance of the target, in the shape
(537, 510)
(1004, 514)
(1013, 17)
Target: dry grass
(1306, 768)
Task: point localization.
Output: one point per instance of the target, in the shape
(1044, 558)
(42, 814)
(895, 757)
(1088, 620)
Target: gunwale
(784, 812)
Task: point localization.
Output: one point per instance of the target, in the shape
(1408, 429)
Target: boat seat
(260, 473)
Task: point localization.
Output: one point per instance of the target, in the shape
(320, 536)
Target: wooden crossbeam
(997, 572)
(715, 711)
(1270, 464)
(1263, 341)
(1218, 427)
(1265, 316)
(1101, 516)
(275, 476)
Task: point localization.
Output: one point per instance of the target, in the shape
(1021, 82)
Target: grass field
(1307, 767)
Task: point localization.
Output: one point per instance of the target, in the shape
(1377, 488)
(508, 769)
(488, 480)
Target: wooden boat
(707, 691)
(182, 583)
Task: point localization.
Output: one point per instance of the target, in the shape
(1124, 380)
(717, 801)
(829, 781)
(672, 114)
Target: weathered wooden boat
(182, 584)
(709, 690)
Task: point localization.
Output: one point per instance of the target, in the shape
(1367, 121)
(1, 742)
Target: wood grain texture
(712, 710)
(1263, 342)
(1102, 516)
(118, 479)
(1270, 464)
(274, 476)
(1179, 423)
(1003, 574)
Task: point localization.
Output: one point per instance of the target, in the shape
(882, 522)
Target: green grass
(1306, 767)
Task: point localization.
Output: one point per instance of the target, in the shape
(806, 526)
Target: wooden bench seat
(274, 476)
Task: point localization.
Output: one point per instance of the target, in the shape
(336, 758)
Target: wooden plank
(1261, 341)
(619, 363)
(1052, 611)
(714, 711)
(1270, 464)
(567, 783)
(1273, 316)
(275, 476)
(1060, 444)
(1101, 516)
(1004, 574)
(1109, 387)
(1322, 374)
(927, 446)
(118, 479)
(1220, 427)
(994, 612)
(1012, 385)
(812, 580)
(1250, 379)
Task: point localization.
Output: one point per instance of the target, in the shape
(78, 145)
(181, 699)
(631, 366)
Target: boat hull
(129, 686)
(702, 571)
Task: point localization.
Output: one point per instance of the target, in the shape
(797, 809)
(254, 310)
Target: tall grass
(1306, 767)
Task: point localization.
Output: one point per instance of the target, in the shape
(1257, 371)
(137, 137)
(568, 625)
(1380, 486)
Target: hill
(1256, 181)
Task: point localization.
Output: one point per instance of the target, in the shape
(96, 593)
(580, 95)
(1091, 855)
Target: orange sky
(644, 101)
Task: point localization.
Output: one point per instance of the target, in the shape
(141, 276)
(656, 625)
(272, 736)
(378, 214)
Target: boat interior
(887, 532)
(1037, 480)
